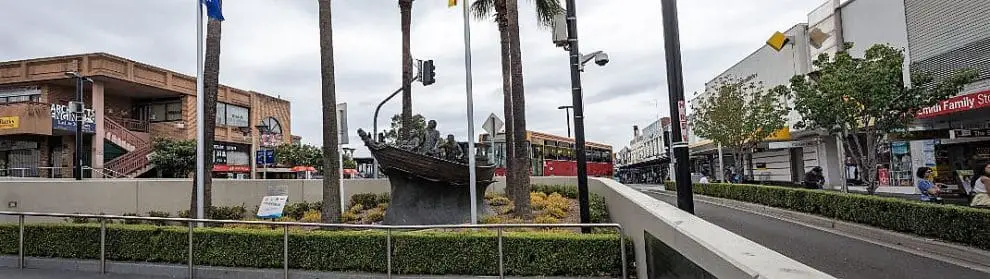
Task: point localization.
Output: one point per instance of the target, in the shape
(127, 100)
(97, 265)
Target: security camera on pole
(567, 38)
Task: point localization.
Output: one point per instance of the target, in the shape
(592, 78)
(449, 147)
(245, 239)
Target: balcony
(25, 118)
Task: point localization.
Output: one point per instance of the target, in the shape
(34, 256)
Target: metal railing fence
(191, 223)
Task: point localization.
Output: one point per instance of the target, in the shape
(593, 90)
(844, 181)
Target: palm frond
(546, 10)
(482, 9)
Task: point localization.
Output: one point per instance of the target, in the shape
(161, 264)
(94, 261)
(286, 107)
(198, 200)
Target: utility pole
(578, 103)
(675, 87)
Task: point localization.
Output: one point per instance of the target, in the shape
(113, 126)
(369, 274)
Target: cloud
(272, 47)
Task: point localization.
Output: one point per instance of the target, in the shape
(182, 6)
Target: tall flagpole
(200, 122)
(470, 114)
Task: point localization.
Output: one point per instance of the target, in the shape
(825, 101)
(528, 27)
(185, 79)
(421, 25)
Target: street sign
(272, 206)
(492, 125)
(265, 157)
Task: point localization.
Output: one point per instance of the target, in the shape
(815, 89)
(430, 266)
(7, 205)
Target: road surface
(840, 256)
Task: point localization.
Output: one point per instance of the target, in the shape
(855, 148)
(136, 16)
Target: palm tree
(517, 156)
(330, 213)
(405, 11)
(211, 83)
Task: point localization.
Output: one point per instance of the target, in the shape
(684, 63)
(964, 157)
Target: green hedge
(947, 222)
(475, 253)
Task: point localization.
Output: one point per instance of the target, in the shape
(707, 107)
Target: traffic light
(429, 73)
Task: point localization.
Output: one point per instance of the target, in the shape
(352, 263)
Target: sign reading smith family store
(63, 120)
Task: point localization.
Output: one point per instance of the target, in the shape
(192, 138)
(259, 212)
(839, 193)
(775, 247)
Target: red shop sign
(957, 104)
(229, 168)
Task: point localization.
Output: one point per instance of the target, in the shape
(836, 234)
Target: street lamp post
(263, 130)
(78, 109)
(675, 87)
(567, 111)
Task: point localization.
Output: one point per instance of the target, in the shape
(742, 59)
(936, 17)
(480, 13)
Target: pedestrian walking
(981, 180)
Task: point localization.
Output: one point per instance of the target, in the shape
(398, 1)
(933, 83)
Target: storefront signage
(229, 168)
(791, 144)
(957, 104)
(221, 150)
(969, 133)
(10, 122)
(62, 119)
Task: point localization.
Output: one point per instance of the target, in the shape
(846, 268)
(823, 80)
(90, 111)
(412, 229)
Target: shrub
(311, 216)
(159, 214)
(131, 221)
(537, 201)
(374, 215)
(365, 200)
(77, 220)
(227, 212)
(382, 206)
(491, 194)
(557, 201)
(349, 217)
(500, 201)
(598, 209)
(356, 209)
(384, 198)
(555, 212)
(566, 190)
(597, 206)
(525, 253)
(491, 219)
(945, 222)
(545, 219)
(297, 210)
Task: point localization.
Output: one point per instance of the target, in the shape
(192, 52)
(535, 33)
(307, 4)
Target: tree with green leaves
(291, 155)
(393, 134)
(173, 158)
(739, 113)
(864, 99)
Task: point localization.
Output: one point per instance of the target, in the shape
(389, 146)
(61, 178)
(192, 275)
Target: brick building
(127, 105)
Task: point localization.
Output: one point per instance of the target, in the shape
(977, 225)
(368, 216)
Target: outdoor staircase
(137, 159)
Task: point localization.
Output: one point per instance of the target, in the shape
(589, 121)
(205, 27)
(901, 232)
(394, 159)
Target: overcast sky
(272, 46)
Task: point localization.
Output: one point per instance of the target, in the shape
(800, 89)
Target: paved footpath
(840, 256)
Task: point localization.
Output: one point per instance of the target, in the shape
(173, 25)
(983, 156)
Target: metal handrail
(285, 234)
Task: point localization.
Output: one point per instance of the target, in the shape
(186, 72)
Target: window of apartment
(221, 114)
(233, 115)
(16, 95)
(237, 116)
(165, 112)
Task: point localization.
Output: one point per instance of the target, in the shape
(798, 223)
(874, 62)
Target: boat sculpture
(429, 185)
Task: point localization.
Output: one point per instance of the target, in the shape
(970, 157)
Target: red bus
(553, 155)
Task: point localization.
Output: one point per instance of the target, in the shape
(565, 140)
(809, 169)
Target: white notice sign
(272, 206)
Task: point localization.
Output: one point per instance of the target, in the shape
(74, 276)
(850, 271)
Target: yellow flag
(451, 3)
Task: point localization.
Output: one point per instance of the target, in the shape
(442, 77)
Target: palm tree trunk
(504, 39)
(330, 213)
(521, 152)
(211, 83)
(405, 11)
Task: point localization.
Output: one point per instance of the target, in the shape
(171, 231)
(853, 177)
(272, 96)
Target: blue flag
(213, 9)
